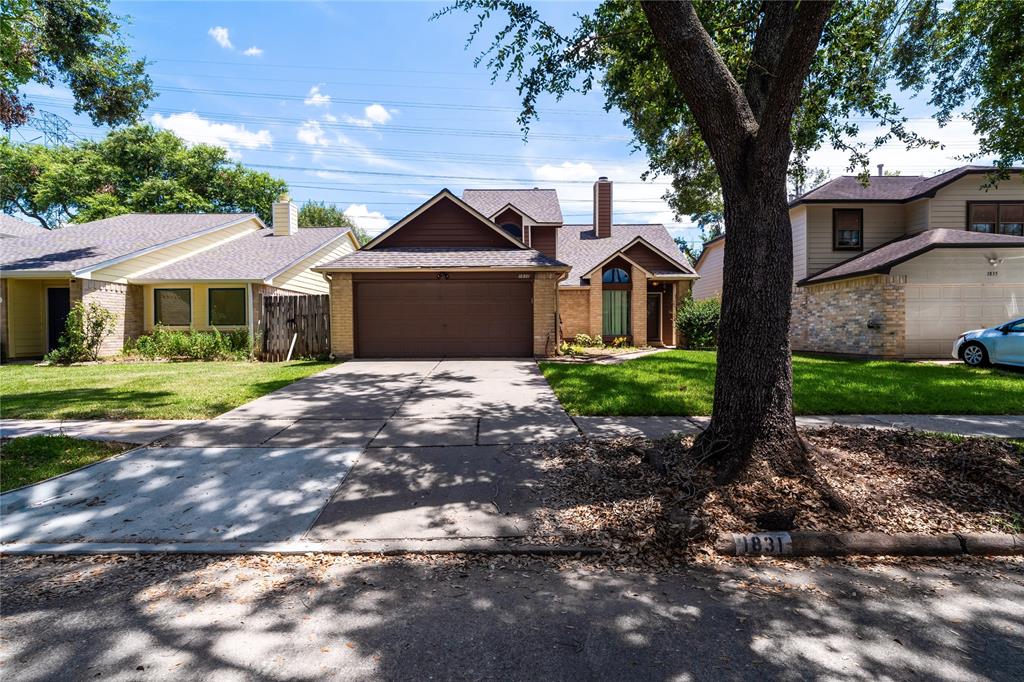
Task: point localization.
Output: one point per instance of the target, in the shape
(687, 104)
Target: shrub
(84, 331)
(193, 345)
(697, 322)
(588, 341)
(618, 342)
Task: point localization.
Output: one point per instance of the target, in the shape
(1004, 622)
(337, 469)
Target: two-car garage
(443, 314)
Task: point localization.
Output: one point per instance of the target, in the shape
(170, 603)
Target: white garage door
(937, 314)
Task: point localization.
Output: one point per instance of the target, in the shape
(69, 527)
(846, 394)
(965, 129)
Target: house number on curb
(762, 543)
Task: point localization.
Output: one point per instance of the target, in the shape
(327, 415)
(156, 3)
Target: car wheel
(974, 355)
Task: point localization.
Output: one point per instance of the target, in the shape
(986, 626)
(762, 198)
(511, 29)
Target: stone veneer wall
(545, 313)
(864, 316)
(574, 312)
(124, 300)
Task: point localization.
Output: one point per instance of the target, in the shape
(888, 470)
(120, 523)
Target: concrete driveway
(367, 450)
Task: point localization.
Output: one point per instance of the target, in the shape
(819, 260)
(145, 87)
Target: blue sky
(374, 107)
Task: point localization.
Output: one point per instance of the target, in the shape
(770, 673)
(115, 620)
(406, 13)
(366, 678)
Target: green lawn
(682, 383)
(36, 458)
(145, 390)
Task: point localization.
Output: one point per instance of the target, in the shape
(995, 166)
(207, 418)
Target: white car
(1003, 345)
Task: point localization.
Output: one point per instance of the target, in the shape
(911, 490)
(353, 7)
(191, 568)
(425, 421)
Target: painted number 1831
(762, 543)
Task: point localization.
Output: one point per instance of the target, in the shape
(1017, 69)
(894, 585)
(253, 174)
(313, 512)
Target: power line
(349, 100)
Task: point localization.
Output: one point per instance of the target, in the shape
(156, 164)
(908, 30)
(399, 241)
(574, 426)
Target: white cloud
(220, 34)
(330, 118)
(374, 114)
(192, 127)
(312, 134)
(315, 98)
(253, 52)
(566, 171)
(374, 222)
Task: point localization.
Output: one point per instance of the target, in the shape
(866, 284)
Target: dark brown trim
(884, 269)
(923, 195)
(835, 230)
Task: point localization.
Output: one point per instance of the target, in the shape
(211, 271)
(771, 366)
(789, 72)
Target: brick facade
(124, 300)
(638, 306)
(343, 343)
(574, 312)
(545, 313)
(4, 343)
(596, 307)
(864, 316)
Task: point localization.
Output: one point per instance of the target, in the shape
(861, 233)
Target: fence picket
(307, 316)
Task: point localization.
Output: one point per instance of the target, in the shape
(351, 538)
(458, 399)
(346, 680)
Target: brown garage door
(433, 317)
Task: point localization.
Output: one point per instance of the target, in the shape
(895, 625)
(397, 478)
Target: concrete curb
(370, 548)
(824, 544)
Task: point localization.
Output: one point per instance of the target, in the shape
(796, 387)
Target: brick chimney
(603, 207)
(285, 216)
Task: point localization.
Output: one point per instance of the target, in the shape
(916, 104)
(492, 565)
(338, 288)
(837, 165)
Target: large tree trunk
(747, 132)
(753, 409)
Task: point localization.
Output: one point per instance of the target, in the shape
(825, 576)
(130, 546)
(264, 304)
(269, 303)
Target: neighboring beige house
(900, 267)
(709, 266)
(183, 271)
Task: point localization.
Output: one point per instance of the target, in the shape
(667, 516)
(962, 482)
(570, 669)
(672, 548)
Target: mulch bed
(651, 498)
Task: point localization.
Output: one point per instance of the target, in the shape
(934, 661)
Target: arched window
(615, 276)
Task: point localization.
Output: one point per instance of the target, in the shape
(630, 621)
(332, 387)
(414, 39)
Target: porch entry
(58, 305)
(654, 317)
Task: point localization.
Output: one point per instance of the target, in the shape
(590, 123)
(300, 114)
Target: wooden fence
(304, 319)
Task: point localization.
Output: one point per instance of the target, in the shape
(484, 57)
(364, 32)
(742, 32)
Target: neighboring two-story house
(497, 273)
(898, 268)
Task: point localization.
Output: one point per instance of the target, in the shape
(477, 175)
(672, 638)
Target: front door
(58, 305)
(653, 318)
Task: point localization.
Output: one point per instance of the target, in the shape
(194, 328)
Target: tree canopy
(321, 214)
(75, 42)
(136, 169)
(969, 54)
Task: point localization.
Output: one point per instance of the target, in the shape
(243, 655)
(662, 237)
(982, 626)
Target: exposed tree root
(785, 454)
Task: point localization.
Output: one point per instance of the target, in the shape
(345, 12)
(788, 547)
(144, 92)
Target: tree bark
(747, 131)
(753, 406)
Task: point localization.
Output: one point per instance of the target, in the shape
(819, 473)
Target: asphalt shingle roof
(881, 259)
(887, 187)
(432, 258)
(579, 248)
(540, 204)
(254, 256)
(12, 227)
(81, 246)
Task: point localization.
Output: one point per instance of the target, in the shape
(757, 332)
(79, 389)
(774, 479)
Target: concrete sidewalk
(991, 426)
(424, 432)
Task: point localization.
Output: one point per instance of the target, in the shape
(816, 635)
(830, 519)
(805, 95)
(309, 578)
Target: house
(899, 267)
(182, 271)
(496, 272)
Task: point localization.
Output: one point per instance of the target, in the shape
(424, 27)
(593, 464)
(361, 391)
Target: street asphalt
(339, 618)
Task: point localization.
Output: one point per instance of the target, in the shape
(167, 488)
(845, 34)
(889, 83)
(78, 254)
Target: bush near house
(164, 344)
(84, 331)
(697, 322)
